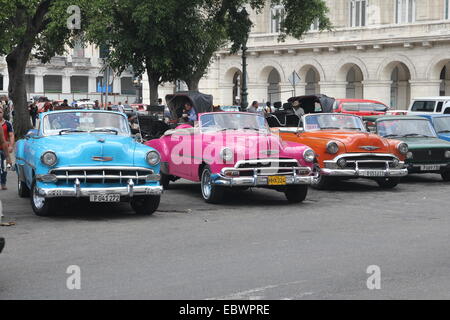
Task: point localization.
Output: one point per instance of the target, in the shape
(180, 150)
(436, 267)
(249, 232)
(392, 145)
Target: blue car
(441, 124)
(86, 154)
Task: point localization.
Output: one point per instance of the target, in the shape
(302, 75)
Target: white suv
(430, 105)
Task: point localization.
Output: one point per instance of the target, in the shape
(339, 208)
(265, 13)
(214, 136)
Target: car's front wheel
(296, 194)
(446, 175)
(22, 189)
(388, 183)
(210, 192)
(320, 182)
(41, 206)
(165, 181)
(145, 205)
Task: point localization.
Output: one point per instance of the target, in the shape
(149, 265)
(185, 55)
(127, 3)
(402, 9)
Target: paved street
(254, 247)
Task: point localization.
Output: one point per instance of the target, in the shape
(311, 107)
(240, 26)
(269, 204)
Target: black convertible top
(308, 103)
(201, 102)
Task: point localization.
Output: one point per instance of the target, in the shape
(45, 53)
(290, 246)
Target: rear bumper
(78, 192)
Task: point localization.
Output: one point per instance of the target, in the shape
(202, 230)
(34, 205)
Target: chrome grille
(119, 175)
(369, 162)
(429, 155)
(267, 163)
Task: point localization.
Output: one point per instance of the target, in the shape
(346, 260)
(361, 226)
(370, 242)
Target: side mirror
(31, 133)
(138, 138)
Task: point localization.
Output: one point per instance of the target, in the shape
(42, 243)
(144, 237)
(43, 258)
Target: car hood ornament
(369, 148)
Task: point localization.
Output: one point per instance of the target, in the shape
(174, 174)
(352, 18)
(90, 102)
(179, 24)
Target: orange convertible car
(345, 150)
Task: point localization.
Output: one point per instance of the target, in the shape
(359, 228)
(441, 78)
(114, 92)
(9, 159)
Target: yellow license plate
(277, 181)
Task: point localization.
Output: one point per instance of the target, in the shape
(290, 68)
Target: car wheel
(145, 205)
(41, 206)
(320, 182)
(22, 188)
(388, 183)
(296, 194)
(445, 175)
(164, 181)
(210, 192)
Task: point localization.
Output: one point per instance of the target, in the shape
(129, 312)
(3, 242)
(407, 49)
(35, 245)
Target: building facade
(76, 75)
(387, 50)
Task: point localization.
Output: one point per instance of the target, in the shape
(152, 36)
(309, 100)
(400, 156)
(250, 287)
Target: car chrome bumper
(78, 192)
(363, 173)
(261, 178)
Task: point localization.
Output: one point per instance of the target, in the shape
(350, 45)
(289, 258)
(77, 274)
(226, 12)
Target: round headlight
(309, 155)
(153, 158)
(226, 154)
(332, 147)
(403, 148)
(49, 158)
(409, 155)
(447, 154)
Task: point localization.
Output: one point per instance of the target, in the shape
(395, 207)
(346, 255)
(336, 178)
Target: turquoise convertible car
(86, 154)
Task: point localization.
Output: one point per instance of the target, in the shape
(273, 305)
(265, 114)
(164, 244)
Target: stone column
(92, 87)
(117, 86)
(425, 88)
(378, 90)
(66, 88)
(257, 92)
(225, 95)
(38, 83)
(335, 89)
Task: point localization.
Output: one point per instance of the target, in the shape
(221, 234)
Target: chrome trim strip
(346, 155)
(98, 168)
(256, 161)
(86, 192)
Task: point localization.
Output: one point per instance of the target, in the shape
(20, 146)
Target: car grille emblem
(369, 148)
(102, 159)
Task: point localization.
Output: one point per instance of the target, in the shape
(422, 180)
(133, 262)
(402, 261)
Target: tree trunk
(17, 61)
(153, 81)
(192, 83)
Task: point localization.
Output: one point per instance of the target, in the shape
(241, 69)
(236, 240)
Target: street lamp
(244, 93)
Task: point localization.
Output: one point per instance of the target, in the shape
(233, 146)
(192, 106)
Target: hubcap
(206, 184)
(38, 201)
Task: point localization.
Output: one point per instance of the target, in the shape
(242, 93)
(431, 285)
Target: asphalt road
(256, 246)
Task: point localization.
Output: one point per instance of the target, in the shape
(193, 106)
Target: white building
(387, 50)
(77, 75)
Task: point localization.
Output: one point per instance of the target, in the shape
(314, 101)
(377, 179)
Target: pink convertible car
(234, 150)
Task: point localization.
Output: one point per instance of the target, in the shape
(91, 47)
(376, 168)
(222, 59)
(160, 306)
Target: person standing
(253, 108)
(120, 107)
(8, 142)
(33, 113)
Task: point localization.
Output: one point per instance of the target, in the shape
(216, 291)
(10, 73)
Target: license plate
(277, 181)
(105, 198)
(430, 167)
(372, 173)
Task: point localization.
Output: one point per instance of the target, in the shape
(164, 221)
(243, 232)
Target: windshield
(442, 125)
(364, 107)
(80, 122)
(336, 121)
(403, 128)
(233, 121)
